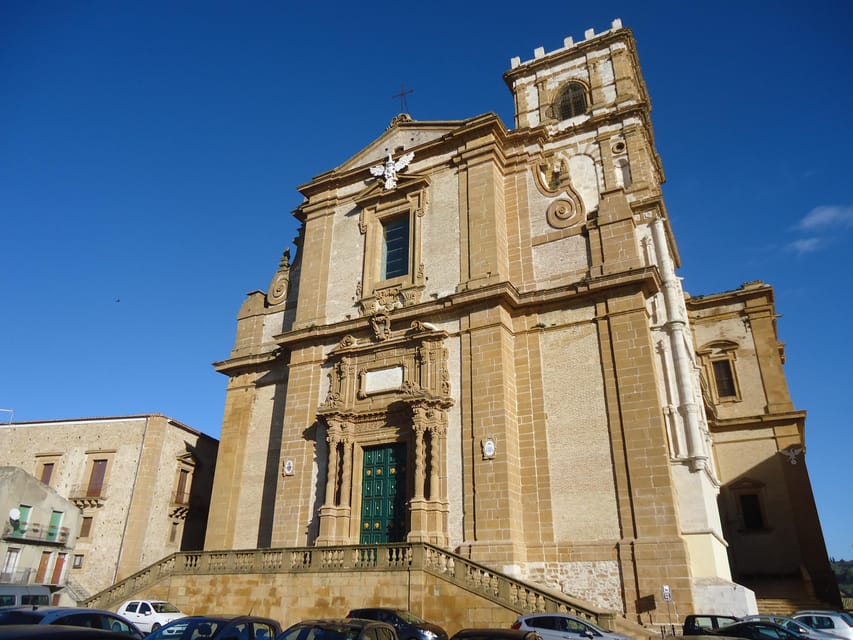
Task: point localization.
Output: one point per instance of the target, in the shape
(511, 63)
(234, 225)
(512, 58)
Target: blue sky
(150, 154)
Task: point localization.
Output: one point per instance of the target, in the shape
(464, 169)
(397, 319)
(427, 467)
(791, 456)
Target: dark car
(55, 632)
(71, 616)
(697, 624)
(757, 630)
(339, 629)
(408, 625)
(218, 627)
(495, 634)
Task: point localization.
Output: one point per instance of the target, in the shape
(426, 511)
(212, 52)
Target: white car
(837, 623)
(150, 615)
(562, 626)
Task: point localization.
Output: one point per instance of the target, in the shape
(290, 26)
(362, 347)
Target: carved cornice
(646, 279)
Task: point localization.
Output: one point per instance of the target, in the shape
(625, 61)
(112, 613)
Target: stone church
(480, 342)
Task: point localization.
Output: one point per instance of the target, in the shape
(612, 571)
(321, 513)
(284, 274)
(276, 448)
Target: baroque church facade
(481, 343)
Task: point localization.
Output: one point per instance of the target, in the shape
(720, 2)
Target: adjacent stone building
(481, 342)
(139, 485)
(39, 531)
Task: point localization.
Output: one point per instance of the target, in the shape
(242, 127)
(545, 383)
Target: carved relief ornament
(552, 180)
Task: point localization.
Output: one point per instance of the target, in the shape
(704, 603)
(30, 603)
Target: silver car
(837, 623)
(793, 626)
(562, 626)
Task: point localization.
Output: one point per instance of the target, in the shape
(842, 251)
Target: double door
(383, 500)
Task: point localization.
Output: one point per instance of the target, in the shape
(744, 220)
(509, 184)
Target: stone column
(333, 438)
(418, 503)
(346, 475)
(676, 328)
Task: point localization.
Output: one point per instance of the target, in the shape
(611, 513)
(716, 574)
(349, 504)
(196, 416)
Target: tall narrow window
(24, 520)
(182, 495)
(750, 508)
(53, 527)
(395, 247)
(10, 563)
(44, 563)
(724, 379)
(572, 101)
(58, 566)
(86, 527)
(96, 480)
(46, 472)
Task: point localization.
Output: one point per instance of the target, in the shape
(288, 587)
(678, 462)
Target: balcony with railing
(19, 576)
(36, 532)
(88, 496)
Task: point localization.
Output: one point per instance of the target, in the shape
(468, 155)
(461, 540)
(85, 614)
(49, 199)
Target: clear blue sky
(150, 153)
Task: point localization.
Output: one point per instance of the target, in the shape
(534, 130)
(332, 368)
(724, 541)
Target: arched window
(571, 102)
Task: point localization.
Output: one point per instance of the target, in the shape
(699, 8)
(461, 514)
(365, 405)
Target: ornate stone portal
(383, 392)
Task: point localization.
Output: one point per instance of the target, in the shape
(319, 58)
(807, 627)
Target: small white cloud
(827, 216)
(805, 245)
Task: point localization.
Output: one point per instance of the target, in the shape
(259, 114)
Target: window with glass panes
(724, 379)
(395, 247)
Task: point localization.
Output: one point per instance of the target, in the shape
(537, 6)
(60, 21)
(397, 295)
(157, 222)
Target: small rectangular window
(86, 527)
(46, 472)
(724, 379)
(750, 507)
(78, 561)
(395, 247)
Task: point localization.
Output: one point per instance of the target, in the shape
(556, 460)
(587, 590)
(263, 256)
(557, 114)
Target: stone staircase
(783, 596)
(300, 576)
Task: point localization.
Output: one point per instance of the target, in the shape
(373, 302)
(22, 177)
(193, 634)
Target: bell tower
(601, 176)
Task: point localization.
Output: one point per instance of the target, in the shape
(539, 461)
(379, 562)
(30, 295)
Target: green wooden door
(383, 500)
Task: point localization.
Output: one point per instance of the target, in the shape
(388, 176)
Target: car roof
(55, 609)
(226, 617)
(391, 609)
(337, 622)
(59, 631)
(507, 634)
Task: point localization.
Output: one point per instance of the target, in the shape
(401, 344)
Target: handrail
(509, 592)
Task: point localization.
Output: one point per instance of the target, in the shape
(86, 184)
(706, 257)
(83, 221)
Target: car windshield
(164, 607)
(188, 629)
(847, 618)
(411, 618)
(19, 617)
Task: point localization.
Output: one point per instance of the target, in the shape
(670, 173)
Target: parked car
(55, 632)
(339, 629)
(792, 625)
(562, 626)
(71, 616)
(217, 627)
(495, 634)
(837, 623)
(757, 630)
(150, 615)
(408, 625)
(697, 624)
(18, 595)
